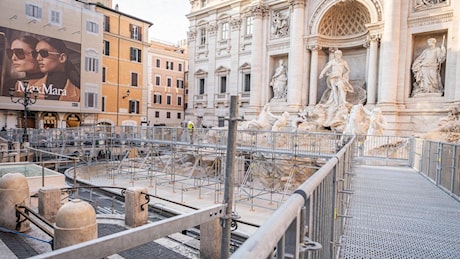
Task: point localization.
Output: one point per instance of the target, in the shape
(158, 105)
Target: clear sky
(167, 16)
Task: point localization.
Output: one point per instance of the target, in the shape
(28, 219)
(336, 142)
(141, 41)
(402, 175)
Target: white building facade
(235, 47)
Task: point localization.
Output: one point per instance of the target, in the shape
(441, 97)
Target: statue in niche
(426, 69)
(279, 82)
(280, 25)
(337, 79)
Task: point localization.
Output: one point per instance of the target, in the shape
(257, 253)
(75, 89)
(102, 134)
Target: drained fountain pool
(37, 176)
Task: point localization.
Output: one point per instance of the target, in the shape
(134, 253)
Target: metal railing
(439, 163)
(311, 219)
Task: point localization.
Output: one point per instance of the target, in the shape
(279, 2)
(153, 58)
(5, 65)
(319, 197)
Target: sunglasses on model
(44, 53)
(19, 52)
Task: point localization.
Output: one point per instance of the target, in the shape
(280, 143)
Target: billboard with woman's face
(49, 65)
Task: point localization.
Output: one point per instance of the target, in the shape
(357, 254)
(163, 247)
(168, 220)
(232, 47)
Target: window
(90, 100)
(91, 64)
(104, 73)
(169, 65)
(157, 80)
(158, 63)
(106, 23)
(92, 27)
(103, 104)
(168, 99)
(249, 25)
(134, 79)
(247, 82)
(157, 114)
(180, 83)
(179, 101)
(225, 31)
(179, 115)
(220, 121)
(180, 66)
(168, 114)
(33, 11)
(55, 17)
(135, 54)
(223, 84)
(134, 107)
(203, 3)
(201, 92)
(168, 82)
(135, 32)
(157, 99)
(106, 50)
(202, 36)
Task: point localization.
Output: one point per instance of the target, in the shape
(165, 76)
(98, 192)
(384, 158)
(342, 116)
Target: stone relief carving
(426, 68)
(280, 25)
(422, 4)
(279, 82)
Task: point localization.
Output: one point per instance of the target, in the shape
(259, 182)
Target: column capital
(297, 3)
(314, 47)
(259, 10)
(372, 38)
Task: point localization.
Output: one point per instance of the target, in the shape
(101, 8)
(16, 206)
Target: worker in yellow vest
(191, 130)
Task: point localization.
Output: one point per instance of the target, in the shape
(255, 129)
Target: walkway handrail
(274, 230)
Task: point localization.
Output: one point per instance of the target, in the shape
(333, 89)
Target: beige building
(236, 46)
(40, 32)
(167, 68)
(124, 69)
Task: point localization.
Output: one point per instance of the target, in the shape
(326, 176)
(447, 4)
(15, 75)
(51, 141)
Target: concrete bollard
(75, 223)
(210, 239)
(134, 215)
(14, 190)
(49, 202)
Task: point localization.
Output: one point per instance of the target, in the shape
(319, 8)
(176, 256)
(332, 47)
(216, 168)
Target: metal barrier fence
(309, 224)
(439, 163)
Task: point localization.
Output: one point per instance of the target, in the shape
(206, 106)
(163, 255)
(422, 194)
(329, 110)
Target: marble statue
(279, 82)
(377, 122)
(337, 72)
(426, 68)
(357, 121)
(281, 121)
(262, 122)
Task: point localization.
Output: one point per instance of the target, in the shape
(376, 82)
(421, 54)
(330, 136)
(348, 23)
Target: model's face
(21, 55)
(49, 59)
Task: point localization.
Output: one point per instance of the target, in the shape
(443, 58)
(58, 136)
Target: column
(306, 79)
(372, 72)
(295, 67)
(390, 52)
(313, 75)
(256, 58)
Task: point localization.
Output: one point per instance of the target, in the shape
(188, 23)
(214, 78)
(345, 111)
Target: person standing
(191, 130)
(426, 68)
(337, 79)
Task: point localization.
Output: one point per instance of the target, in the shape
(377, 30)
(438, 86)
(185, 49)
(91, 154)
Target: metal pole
(228, 191)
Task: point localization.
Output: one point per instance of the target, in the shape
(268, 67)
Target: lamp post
(26, 101)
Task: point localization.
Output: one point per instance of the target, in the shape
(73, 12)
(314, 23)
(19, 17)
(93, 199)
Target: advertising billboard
(51, 66)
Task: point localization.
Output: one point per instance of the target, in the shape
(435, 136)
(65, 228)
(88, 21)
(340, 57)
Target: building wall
(70, 27)
(167, 54)
(119, 67)
(379, 39)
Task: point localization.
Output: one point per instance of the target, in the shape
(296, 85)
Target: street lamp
(26, 101)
